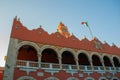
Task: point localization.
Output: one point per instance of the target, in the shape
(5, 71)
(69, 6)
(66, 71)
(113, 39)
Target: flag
(85, 24)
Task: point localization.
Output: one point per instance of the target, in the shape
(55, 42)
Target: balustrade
(27, 64)
(109, 69)
(33, 64)
(118, 69)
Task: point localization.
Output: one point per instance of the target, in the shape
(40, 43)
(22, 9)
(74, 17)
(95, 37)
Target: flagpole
(86, 25)
(90, 32)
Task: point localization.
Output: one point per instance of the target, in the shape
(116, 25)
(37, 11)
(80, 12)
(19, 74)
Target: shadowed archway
(27, 52)
(96, 60)
(67, 58)
(49, 56)
(83, 59)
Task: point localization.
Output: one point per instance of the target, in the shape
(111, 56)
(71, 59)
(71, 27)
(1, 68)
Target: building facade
(37, 55)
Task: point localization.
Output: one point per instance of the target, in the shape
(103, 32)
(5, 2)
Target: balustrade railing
(85, 68)
(69, 67)
(118, 69)
(109, 69)
(27, 64)
(33, 64)
(98, 68)
(50, 66)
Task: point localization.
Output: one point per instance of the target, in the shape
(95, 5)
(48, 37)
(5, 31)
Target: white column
(91, 63)
(103, 64)
(113, 65)
(77, 64)
(60, 62)
(39, 60)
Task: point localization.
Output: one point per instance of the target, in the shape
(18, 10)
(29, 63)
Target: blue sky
(103, 17)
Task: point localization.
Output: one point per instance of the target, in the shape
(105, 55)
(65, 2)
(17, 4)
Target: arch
(52, 78)
(31, 45)
(72, 78)
(116, 57)
(115, 78)
(107, 56)
(89, 78)
(97, 54)
(103, 78)
(70, 50)
(85, 52)
(26, 78)
(107, 60)
(68, 58)
(116, 60)
(96, 59)
(30, 50)
(28, 43)
(50, 47)
(83, 59)
(27, 52)
(49, 56)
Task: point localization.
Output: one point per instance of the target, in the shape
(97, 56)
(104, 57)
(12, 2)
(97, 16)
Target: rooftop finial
(84, 37)
(15, 17)
(18, 19)
(114, 45)
(40, 26)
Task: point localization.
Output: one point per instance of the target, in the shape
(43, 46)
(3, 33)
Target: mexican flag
(85, 24)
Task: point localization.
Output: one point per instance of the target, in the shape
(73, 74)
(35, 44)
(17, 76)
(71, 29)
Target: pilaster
(11, 60)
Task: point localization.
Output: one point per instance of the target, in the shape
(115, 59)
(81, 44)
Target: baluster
(70, 67)
(27, 63)
(50, 65)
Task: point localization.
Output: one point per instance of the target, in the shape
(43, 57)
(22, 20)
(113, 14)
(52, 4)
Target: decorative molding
(40, 74)
(72, 78)
(52, 71)
(28, 70)
(98, 45)
(51, 78)
(72, 72)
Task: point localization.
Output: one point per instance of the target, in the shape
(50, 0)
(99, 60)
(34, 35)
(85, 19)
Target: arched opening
(107, 61)
(116, 62)
(115, 78)
(89, 78)
(103, 78)
(27, 53)
(49, 56)
(96, 60)
(83, 59)
(67, 58)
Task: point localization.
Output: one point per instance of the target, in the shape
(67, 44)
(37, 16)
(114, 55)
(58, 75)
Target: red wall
(62, 75)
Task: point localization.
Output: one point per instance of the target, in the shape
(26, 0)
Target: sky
(103, 17)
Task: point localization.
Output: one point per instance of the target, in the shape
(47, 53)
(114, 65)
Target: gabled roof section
(39, 35)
